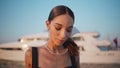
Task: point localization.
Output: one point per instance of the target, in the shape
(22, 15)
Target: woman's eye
(69, 30)
(57, 28)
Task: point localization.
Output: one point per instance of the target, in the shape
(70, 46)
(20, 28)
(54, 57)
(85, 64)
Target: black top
(35, 57)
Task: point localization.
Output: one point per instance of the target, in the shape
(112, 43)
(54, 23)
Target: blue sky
(23, 17)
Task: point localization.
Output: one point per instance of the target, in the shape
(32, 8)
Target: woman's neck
(53, 47)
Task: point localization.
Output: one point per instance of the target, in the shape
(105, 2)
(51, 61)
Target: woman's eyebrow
(70, 27)
(61, 25)
(58, 24)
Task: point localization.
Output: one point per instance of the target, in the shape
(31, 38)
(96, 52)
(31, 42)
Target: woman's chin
(57, 43)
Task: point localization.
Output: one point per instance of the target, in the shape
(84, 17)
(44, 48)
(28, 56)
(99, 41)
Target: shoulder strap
(73, 61)
(34, 57)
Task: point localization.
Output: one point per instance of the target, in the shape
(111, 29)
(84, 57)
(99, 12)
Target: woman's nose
(63, 34)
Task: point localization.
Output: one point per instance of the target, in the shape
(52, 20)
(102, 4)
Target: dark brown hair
(60, 10)
(70, 44)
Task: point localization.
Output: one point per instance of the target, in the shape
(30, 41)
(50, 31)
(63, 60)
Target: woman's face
(60, 29)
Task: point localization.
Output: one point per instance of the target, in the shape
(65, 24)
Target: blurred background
(23, 17)
(20, 18)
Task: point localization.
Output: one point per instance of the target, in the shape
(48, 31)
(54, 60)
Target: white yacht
(90, 48)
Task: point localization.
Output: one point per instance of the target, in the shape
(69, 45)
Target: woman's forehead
(64, 20)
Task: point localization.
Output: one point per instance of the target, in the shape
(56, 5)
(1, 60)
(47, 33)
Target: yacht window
(103, 48)
(30, 39)
(78, 38)
(11, 48)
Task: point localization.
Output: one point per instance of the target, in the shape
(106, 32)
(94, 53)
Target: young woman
(60, 51)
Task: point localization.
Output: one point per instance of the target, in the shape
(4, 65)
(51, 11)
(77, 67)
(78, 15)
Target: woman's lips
(61, 40)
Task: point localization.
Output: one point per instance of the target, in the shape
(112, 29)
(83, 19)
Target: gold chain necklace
(66, 50)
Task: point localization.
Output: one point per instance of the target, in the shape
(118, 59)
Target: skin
(60, 29)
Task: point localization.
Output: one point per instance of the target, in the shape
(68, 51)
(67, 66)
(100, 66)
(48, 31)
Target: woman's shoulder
(41, 47)
(29, 50)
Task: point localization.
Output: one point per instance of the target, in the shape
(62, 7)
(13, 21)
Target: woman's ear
(48, 24)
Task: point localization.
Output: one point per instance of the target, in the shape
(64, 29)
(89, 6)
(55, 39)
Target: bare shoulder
(28, 58)
(41, 47)
(28, 51)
